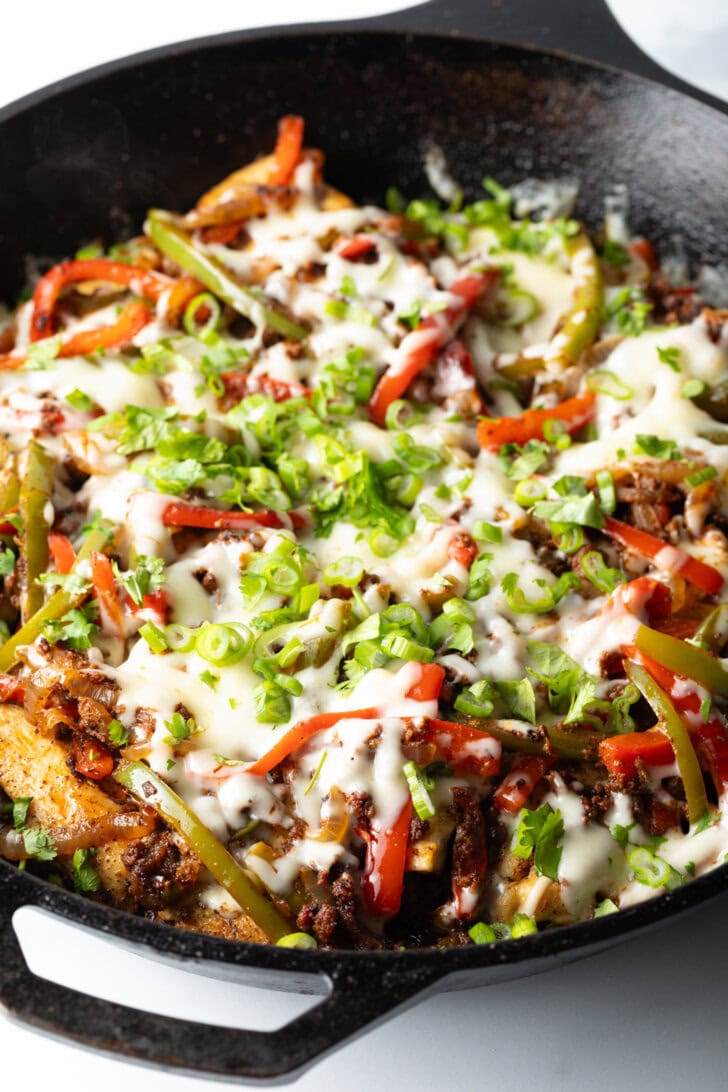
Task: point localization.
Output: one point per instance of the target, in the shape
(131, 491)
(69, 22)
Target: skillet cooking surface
(88, 157)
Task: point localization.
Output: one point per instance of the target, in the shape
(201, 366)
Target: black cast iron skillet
(87, 156)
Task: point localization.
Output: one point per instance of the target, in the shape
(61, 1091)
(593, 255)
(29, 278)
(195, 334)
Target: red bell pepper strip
(62, 552)
(356, 247)
(465, 747)
(711, 736)
(241, 384)
(514, 790)
(144, 282)
(215, 519)
(574, 412)
(418, 348)
(102, 578)
(301, 733)
(383, 877)
(287, 152)
(92, 759)
(643, 249)
(620, 753)
(644, 597)
(131, 320)
(428, 685)
(678, 561)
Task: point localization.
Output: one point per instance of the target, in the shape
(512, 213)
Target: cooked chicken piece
(34, 765)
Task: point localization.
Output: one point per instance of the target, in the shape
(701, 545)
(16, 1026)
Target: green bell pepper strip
(9, 485)
(179, 247)
(671, 721)
(581, 323)
(138, 779)
(58, 605)
(712, 633)
(36, 490)
(564, 742)
(684, 659)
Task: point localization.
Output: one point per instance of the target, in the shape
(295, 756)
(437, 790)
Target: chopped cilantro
(79, 401)
(39, 843)
(655, 447)
(7, 561)
(75, 628)
(539, 832)
(86, 879)
(670, 356)
(180, 728)
(118, 735)
(145, 578)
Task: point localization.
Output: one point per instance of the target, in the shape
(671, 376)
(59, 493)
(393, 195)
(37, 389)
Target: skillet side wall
(90, 159)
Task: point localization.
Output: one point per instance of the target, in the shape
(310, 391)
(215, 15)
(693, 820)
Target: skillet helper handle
(354, 1001)
(584, 28)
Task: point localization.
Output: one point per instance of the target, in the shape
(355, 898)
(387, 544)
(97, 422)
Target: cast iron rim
(169, 940)
(304, 33)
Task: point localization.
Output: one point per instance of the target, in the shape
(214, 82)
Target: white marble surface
(648, 1015)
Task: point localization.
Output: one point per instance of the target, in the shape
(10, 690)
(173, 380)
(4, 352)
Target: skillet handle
(353, 1001)
(585, 28)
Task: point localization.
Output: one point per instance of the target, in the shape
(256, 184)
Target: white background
(648, 1015)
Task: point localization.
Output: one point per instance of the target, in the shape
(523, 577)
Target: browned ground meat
(159, 870)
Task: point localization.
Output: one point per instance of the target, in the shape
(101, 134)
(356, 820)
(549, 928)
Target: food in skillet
(363, 570)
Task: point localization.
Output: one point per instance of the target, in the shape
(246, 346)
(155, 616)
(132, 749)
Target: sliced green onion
(416, 456)
(480, 933)
(252, 587)
(401, 648)
(401, 414)
(347, 571)
(486, 532)
(692, 388)
(521, 307)
(571, 540)
(180, 638)
(283, 577)
(306, 597)
(154, 636)
(420, 797)
(705, 474)
(551, 596)
(529, 492)
(297, 940)
(605, 382)
(406, 488)
(607, 492)
(599, 574)
(457, 610)
(383, 544)
(650, 869)
(476, 700)
(605, 907)
(290, 653)
(189, 321)
(223, 645)
(523, 925)
(554, 432)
